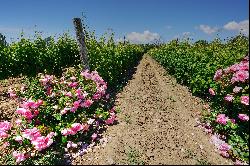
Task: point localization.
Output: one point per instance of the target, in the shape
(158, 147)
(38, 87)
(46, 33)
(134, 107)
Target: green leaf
(64, 139)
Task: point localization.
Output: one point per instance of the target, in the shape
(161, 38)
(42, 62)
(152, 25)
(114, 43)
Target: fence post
(81, 42)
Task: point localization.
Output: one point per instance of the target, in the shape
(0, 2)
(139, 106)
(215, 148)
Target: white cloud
(242, 26)
(207, 29)
(144, 37)
(168, 27)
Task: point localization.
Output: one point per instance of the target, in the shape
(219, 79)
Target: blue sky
(138, 20)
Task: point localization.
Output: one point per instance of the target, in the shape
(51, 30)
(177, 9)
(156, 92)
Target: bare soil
(156, 124)
(8, 106)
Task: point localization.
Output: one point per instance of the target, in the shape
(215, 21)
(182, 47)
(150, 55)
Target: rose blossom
(76, 127)
(218, 74)
(42, 142)
(87, 103)
(229, 98)
(244, 100)
(31, 134)
(5, 126)
(243, 117)
(3, 134)
(211, 91)
(94, 136)
(222, 119)
(19, 156)
(241, 75)
(237, 89)
(69, 94)
(19, 139)
(224, 147)
(18, 121)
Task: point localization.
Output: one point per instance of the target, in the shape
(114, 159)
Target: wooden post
(81, 42)
(124, 40)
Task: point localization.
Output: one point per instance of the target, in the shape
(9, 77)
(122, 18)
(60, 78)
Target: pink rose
(241, 76)
(211, 91)
(39, 102)
(73, 84)
(94, 136)
(237, 89)
(76, 104)
(3, 134)
(42, 142)
(5, 126)
(243, 117)
(19, 156)
(244, 100)
(25, 112)
(19, 139)
(76, 127)
(86, 74)
(234, 68)
(69, 94)
(218, 75)
(224, 147)
(222, 119)
(31, 134)
(97, 96)
(224, 154)
(87, 103)
(229, 98)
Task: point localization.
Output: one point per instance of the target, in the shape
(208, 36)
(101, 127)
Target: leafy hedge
(29, 57)
(195, 64)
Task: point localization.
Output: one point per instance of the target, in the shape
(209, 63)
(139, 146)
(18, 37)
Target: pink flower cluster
(211, 91)
(19, 156)
(47, 79)
(218, 74)
(75, 127)
(229, 98)
(220, 145)
(101, 85)
(40, 142)
(4, 127)
(28, 107)
(244, 100)
(240, 71)
(237, 89)
(77, 104)
(243, 117)
(111, 119)
(224, 148)
(222, 119)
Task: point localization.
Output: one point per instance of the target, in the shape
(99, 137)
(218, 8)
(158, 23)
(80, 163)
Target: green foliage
(29, 57)
(50, 55)
(194, 65)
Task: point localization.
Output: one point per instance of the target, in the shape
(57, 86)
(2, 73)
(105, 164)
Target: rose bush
(55, 114)
(230, 113)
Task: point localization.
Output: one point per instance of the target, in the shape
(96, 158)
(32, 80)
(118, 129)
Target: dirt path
(156, 124)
